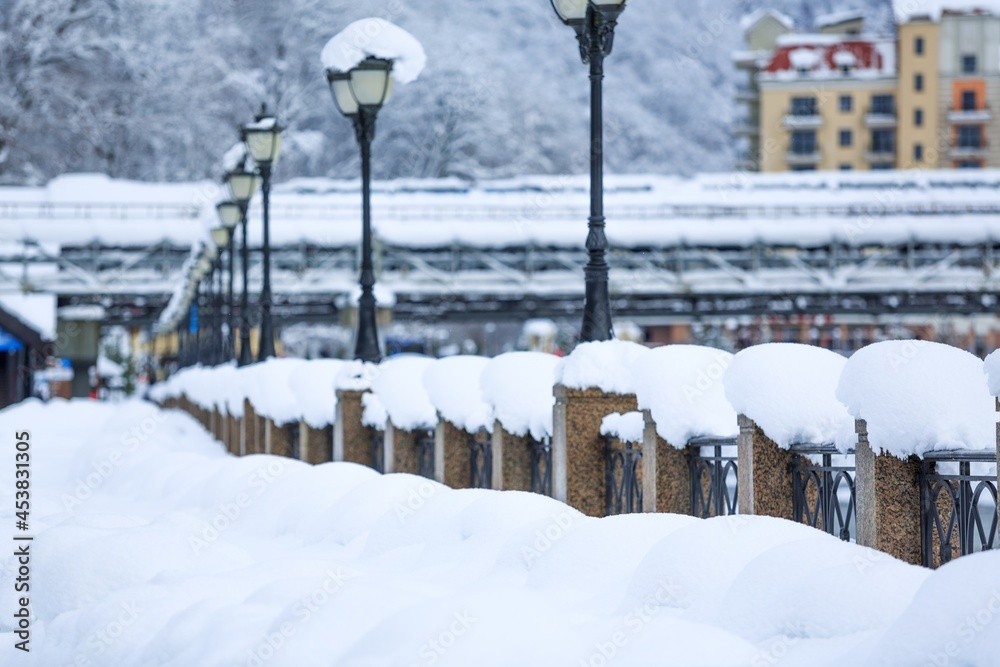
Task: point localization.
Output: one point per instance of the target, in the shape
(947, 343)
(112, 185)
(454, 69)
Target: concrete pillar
(578, 477)
(888, 500)
(281, 439)
(452, 446)
(511, 460)
(233, 428)
(401, 451)
(250, 430)
(666, 473)
(351, 439)
(316, 445)
(764, 473)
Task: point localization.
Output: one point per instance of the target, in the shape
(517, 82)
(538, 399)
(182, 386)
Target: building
(838, 98)
(27, 324)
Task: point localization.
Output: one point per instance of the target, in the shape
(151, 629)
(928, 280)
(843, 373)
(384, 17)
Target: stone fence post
(578, 461)
(666, 473)
(764, 473)
(316, 444)
(452, 458)
(887, 492)
(511, 460)
(351, 439)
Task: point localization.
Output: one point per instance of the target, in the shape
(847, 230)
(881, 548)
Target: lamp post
(263, 142)
(359, 94)
(594, 22)
(221, 239)
(230, 215)
(242, 186)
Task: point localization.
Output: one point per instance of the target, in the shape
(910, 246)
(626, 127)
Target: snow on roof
(375, 37)
(36, 311)
(824, 56)
(908, 9)
(754, 17)
(604, 365)
(918, 396)
(82, 312)
(453, 385)
(790, 391)
(399, 386)
(681, 386)
(626, 427)
(519, 387)
(836, 18)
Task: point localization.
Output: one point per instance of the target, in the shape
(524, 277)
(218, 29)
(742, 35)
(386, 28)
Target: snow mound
(992, 368)
(790, 391)
(604, 365)
(626, 427)
(377, 38)
(453, 385)
(519, 386)
(400, 388)
(681, 386)
(373, 412)
(268, 387)
(313, 385)
(356, 376)
(919, 397)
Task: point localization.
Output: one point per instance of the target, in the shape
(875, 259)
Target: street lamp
(242, 186)
(263, 142)
(594, 22)
(359, 94)
(230, 215)
(220, 237)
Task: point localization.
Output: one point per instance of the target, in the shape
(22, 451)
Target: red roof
(864, 51)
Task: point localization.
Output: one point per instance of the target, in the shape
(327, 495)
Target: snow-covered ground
(155, 547)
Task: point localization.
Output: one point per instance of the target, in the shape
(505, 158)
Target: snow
(375, 37)
(626, 427)
(82, 312)
(266, 123)
(240, 561)
(356, 377)
(804, 59)
(836, 18)
(453, 385)
(907, 9)
(399, 387)
(313, 384)
(681, 386)
(373, 412)
(992, 368)
(36, 311)
(751, 19)
(790, 391)
(605, 365)
(519, 387)
(918, 397)
(108, 369)
(845, 59)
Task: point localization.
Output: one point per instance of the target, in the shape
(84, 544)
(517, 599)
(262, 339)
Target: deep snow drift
(155, 547)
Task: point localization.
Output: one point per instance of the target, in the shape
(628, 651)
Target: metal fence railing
(623, 491)
(823, 493)
(714, 469)
(541, 466)
(958, 505)
(480, 460)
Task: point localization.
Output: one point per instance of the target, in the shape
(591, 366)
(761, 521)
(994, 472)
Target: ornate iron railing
(958, 512)
(378, 450)
(541, 466)
(480, 460)
(623, 492)
(713, 476)
(823, 494)
(424, 441)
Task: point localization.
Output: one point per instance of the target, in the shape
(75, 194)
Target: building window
(846, 167)
(846, 103)
(846, 138)
(884, 105)
(970, 136)
(918, 82)
(918, 46)
(804, 167)
(803, 142)
(882, 166)
(968, 164)
(918, 117)
(968, 100)
(883, 141)
(968, 64)
(918, 152)
(804, 106)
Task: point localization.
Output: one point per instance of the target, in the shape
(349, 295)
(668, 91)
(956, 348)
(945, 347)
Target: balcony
(972, 149)
(881, 155)
(744, 128)
(969, 116)
(803, 158)
(802, 120)
(881, 118)
(747, 94)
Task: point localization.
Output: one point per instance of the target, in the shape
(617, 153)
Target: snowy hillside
(107, 87)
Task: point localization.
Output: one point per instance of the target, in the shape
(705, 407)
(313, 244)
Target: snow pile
(790, 391)
(399, 387)
(605, 365)
(626, 427)
(918, 397)
(37, 311)
(268, 387)
(313, 385)
(373, 412)
(453, 385)
(184, 555)
(992, 368)
(210, 388)
(519, 386)
(376, 38)
(681, 386)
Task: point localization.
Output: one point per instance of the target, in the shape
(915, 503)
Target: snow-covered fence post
(250, 429)
(316, 443)
(888, 500)
(764, 473)
(452, 457)
(462, 454)
(666, 473)
(351, 438)
(234, 425)
(282, 440)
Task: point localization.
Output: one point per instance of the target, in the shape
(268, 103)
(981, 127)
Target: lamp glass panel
(370, 86)
(243, 185)
(263, 145)
(230, 214)
(340, 87)
(608, 3)
(220, 236)
(571, 10)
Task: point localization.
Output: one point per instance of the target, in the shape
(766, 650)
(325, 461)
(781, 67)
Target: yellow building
(836, 98)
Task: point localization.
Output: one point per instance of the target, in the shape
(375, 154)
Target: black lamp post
(263, 142)
(359, 94)
(242, 186)
(221, 238)
(230, 215)
(594, 22)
